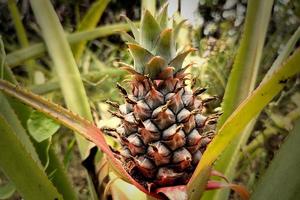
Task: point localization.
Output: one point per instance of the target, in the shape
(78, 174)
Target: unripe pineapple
(163, 131)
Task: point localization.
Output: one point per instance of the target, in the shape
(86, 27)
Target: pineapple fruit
(163, 130)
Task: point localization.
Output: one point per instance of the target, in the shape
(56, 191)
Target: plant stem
(36, 50)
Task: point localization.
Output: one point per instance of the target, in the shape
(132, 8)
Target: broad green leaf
(282, 180)
(241, 82)
(89, 22)
(120, 190)
(29, 179)
(240, 118)
(36, 50)
(40, 126)
(6, 191)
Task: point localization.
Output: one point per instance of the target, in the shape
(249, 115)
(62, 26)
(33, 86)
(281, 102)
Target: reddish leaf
(218, 174)
(174, 193)
(242, 191)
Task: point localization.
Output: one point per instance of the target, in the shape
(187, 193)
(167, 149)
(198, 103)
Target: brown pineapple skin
(163, 131)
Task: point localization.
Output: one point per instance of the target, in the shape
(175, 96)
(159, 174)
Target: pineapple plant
(159, 147)
(163, 131)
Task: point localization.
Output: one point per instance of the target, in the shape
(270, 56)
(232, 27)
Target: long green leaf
(64, 63)
(282, 180)
(89, 22)
(240, 118)
(10, 116)
(241, 82)
(286, 51)
(66, 68)
(59, 176)
(20, 113)
(8, 113)
(30, 180)
(36, 50)
(243, 74)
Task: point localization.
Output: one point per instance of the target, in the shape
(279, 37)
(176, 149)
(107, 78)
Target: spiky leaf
(140, 56)
(134, 29)
(178, 60)
(177, 27)
(128, 37)
(162, 17)
(165, 46)
(149, 31)
(155, 66)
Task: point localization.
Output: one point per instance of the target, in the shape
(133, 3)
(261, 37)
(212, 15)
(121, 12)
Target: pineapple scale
(162, 132)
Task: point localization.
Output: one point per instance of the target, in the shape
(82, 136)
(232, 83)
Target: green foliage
(40, 127)
(89, 22)
(281, 180)
(64, 64)
(9, 114)
(149, 31)
(6, 191)
(242, 80)
(36, 50)
(92, 82)
(13, 148)
(240, 118)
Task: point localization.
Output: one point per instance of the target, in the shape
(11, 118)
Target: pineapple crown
(153, 47)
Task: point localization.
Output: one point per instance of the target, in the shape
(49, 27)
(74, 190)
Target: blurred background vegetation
(215, 29)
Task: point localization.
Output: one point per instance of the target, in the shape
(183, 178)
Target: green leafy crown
(153, 47)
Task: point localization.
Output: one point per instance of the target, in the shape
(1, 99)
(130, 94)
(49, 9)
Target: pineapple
(163, 131)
